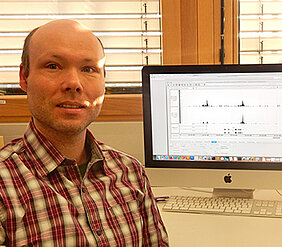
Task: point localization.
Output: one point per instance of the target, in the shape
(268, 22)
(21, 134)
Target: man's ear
(23, 79)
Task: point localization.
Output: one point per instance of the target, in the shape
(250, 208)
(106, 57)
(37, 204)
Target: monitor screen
(213, 125)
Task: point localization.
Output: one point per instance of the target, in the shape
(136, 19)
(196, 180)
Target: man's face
(65, 85)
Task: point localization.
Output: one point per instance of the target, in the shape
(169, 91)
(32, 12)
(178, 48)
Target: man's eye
(88, 69)
(52, 66)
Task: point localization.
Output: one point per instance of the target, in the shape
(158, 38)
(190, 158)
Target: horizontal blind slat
(108, 42)
(101, 7)
(95, 25)
(112, 75)
(255, 25)
(270, 7)
(111, 59)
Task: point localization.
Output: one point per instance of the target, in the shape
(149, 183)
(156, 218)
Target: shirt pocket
(124, 200)
(125, 219)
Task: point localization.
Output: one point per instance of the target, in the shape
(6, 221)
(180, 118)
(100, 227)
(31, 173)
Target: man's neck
(72, 146)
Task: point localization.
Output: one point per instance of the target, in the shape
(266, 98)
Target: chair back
(1, 141)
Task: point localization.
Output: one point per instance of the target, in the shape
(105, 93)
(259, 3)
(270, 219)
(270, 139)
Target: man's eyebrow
(51, 56)
(89, 60)
(57, 56)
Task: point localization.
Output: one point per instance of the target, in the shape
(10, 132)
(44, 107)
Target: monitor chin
(240, 183)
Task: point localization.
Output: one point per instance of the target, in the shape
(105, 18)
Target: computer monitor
(215, 126)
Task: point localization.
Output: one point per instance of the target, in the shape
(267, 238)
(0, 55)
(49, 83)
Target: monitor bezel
(189, 69)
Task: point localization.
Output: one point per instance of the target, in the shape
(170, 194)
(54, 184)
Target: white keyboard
(224, 206)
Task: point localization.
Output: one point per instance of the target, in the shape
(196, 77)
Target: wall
(124, 136)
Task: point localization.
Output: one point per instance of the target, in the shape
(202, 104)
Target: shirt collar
(46, 157)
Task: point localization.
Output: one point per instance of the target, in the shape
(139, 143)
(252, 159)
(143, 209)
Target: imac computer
(214, 126)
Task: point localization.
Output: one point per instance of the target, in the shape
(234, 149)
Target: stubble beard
(48, 123)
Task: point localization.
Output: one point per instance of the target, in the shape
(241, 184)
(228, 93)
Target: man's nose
(72, 81)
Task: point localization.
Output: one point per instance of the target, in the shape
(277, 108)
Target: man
(58, 185)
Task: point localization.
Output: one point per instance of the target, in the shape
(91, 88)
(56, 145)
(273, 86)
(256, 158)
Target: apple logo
(227, 178)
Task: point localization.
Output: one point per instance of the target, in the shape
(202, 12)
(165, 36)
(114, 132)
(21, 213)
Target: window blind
(130, 31)
(260, 31)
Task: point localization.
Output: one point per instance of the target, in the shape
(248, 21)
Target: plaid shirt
(44, 201)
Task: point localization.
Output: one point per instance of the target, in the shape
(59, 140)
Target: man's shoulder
(11, 148)
(114, 154)
(106, 148)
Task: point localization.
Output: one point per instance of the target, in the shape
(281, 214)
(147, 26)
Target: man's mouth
(70, 106)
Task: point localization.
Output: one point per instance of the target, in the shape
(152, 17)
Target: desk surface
(207, 230)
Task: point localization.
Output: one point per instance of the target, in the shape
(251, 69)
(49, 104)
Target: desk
(199, 230)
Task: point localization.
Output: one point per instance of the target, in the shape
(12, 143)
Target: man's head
(25, 53)
(62, 72)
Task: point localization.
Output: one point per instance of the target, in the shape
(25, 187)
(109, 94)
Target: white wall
(124, 136)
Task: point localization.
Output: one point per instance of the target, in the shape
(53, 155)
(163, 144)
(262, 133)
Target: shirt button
(99, 232)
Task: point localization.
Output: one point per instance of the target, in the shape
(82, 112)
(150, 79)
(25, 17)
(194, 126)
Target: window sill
(119, 107)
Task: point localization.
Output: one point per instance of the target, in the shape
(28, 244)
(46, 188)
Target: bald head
(65, 30)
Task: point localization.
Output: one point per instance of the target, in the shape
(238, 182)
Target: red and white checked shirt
(44, 201)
